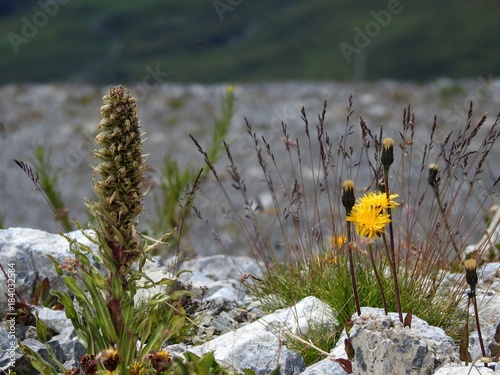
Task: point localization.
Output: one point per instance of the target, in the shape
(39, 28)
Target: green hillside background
(241, 40)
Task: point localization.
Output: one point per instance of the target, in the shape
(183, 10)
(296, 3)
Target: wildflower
(110, 359)
(369, 214)
(336, 242)
(378, 200)
(370, 221)
(160, 360)
(137, 369)
(88, 364)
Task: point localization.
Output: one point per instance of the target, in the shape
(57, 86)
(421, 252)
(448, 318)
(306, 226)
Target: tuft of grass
(178, 185)
(46, 182)
(324, 338)
(300, 236)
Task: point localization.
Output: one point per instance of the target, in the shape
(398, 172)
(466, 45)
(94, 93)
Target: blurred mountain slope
(240, 40)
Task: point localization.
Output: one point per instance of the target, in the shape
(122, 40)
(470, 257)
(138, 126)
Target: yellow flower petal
(378, 200)
(369, 214)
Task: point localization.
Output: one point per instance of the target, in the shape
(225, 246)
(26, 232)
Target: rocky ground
(233, 324)
(63, 118)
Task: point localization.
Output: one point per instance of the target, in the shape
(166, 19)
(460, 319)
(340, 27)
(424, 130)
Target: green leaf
(58, 269)
(44, 367)
(53, 358)
(41, 329)
(41, 292)
(69, 308)
(180, 293)
(101, 310)
(191, 357)
(70, 282)
(202, 370)
(208, 360)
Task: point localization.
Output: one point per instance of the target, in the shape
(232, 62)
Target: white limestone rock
(475, 369)
(491, 237)
(54, 319)
(324, 367)
(259, 346)
(221, 267)
(27, 249)
(383, 346)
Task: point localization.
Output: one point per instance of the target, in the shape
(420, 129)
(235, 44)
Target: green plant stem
(392, 259)
(377, 277)
(351, 269)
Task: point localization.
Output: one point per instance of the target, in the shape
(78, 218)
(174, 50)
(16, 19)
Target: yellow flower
(110, 359)
(369, 214)
(137, 369)
(378, 200)
(336, 242)
(160, 360)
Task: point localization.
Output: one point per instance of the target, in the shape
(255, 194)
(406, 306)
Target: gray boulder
(64, 342)
(324, 367)
(491, 237)
(217, 277)
(27, 249)
(383, 346)
(475, 369)
(261, 345)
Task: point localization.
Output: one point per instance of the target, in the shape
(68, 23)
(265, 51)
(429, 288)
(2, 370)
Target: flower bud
(348, 199)
(433, 175)
(387, 152)
(381, 185)
(471, 274)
